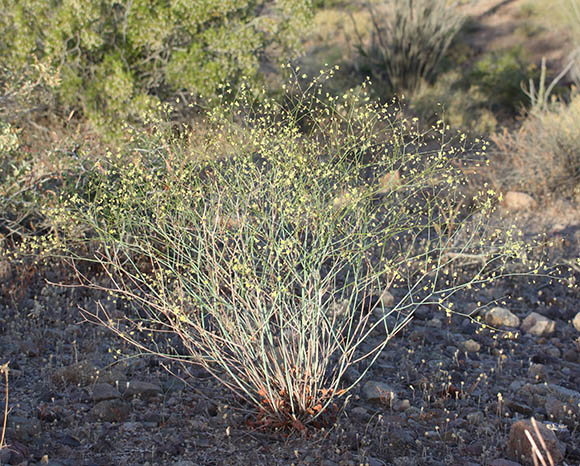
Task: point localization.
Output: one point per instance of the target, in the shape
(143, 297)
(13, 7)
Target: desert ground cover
(290, 232)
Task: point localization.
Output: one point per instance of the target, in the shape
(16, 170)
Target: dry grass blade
(4, 370)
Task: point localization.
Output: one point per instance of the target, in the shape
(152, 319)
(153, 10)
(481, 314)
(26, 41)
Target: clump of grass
(409, 40)
(543, 157)
(255, 244)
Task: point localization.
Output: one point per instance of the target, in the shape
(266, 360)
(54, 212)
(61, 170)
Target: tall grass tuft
(256, 248)
(409, 40)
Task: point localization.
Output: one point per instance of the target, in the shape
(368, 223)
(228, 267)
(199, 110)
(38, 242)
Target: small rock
(516, 385)
(435, 323)
(104, 391)
(576, 322)
(471, 346)
(503, 462)
(519, 446)
(519, 407)
(537, 372)
(401, 438)
(538, 325)
(553, 352)
(387, 299)
(184, 463)
(402, 405)
(360, 413)
(388, 182)
(571, 355)
(475, 449)
(564, 413)
(142, 389)
(500, 316)
(515, 200)
(110, 411)
(23, 429)
(378, 392)
(5, 453)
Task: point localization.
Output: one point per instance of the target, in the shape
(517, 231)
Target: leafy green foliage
(121, 57)
(499, 75)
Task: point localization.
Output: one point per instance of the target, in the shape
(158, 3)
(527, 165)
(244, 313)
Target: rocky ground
(444, 391)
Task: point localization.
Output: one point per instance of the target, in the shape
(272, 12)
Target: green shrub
(499, 75)
(461, 108)
(255, 249)
(409, 40)
(117, 58)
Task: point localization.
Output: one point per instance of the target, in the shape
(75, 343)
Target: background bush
(409, 39)
(543, 156)
(499, 76)
(117, 58)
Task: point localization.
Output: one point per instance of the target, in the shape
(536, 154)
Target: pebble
(519, 447)
(471, 346)
(378, 392)
(515, 200)
(538, 325)
(141, 389)
(104, 391)
(538, 372)
(504, 462)
(500, 316)
(553, 352)
(576, 322)
(110, 411)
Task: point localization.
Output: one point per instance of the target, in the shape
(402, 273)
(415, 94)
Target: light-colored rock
(378, 392)
(110, 411)
(500, 316)
(538, 325)
(515, 200)
(519, 446)
(141, 389)
(388, 182)
(387, 299)
(471, 346)
(402, 405)
(576, 322)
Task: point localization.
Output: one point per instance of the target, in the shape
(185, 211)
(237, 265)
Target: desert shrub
(543, 157)
(499, 75)
(462, 108)
(118, 58)
(258, 251)
(409, 39)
